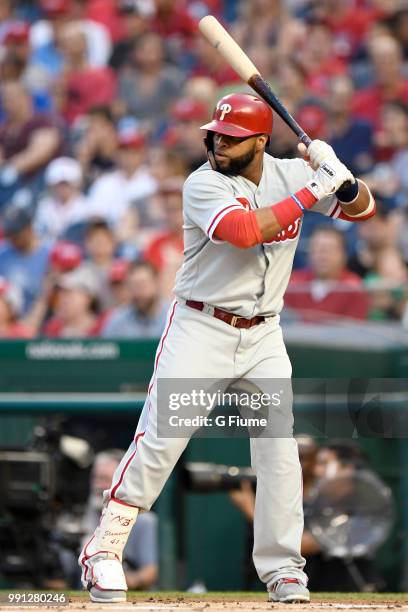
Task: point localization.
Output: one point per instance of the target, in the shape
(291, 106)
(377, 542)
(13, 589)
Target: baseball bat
(219, 38)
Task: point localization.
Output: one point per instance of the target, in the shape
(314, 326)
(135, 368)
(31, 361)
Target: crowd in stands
(100, 107)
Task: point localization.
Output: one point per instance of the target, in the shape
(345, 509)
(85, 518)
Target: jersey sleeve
(208, 197)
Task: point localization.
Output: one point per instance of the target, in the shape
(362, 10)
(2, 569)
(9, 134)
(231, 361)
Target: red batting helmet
(240, 114)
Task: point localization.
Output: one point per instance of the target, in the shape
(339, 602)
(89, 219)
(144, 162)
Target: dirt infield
(229, 602)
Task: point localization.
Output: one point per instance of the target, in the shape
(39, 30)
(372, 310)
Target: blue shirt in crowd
(25, 270)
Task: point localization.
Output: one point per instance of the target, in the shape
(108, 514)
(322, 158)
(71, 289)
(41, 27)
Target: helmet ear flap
(209, 145)
(209, 142)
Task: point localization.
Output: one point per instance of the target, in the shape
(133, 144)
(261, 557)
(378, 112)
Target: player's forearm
(362, 205)
(246, 229)
(273, 219)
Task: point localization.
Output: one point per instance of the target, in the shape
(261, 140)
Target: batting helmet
(240, 114)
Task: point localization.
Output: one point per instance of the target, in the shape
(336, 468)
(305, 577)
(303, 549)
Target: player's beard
(236, 165)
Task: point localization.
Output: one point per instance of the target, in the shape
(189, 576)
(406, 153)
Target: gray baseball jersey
(252, 281)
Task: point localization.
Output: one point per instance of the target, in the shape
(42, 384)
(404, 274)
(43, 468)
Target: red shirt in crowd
(349, 29)
(177, 23)
(318, 79)
(17, 330)
(106, 12)
(368, 103)
(88, 88)
(164, 246)
(317, 300)
(54, 328)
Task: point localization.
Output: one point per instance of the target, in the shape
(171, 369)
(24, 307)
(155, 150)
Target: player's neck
(253, 171)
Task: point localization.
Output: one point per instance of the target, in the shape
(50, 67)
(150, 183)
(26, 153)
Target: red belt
(228, 317)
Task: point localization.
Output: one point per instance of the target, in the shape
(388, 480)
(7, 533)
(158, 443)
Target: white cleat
(289, 590)
(107, 582)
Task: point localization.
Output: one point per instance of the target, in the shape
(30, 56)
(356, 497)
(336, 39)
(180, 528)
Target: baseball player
(243, 211)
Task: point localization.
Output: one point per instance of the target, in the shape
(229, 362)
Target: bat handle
(303, 137)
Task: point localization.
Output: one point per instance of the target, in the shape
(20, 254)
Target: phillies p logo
(225, 108)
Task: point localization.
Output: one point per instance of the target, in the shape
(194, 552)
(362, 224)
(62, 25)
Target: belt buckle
(234, 321)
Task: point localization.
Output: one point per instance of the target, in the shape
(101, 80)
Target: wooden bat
(219, 38)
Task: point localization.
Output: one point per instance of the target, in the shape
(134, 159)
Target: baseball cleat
(107, 583)
(289, 590)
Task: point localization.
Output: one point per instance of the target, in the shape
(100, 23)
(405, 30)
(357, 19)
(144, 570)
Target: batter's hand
(329, 177)
(317, 152)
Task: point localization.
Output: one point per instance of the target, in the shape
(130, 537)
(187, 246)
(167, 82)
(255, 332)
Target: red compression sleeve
(240, 227)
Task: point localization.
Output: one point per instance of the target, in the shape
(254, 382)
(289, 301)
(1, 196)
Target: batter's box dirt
(230, 602)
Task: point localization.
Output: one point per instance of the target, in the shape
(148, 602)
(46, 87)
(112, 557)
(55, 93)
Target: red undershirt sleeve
(240, 228)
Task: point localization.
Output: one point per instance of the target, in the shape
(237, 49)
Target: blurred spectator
(44, 35)
(76, 309)
(172, 21)
(392, 135)
(113, 193)
(15, 65)
(117, 277)
(374, 236)
(7, 19)
(64, 257)
(209, 63)
(134, 14)
(293, 85)
(184, 134)
(10, 310)
(319, 60)
(326, 290)
(148, 86)
(97, 143)
(140, 555)
(100, 248)
(314, 120)
(145, 316)
(23, 257)
(270, 23)
(336, 459)
(64, 204)
(202, 89)
(165, 250)
(106, 13)
(167, 163)
(387, 284)
(351, 137)
(307, 455)
(27, 141)
(392, 145)
(389, 84)
(80, 86)
(399, 28)
(348, 23)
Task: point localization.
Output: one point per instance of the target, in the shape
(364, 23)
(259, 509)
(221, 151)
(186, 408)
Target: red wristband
(291, 208)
